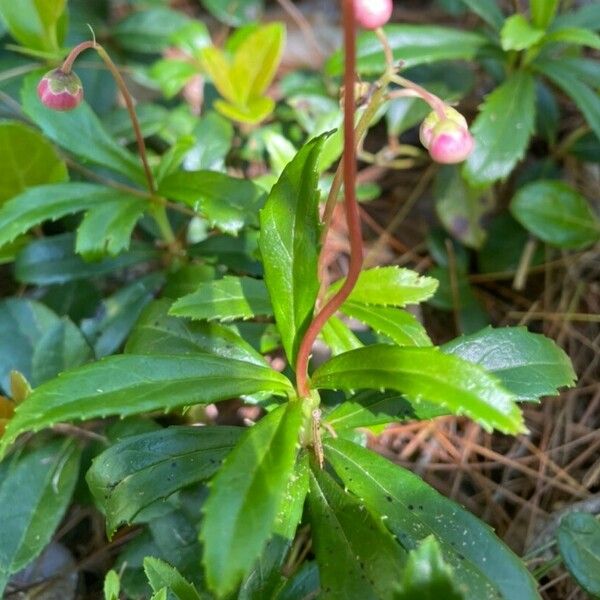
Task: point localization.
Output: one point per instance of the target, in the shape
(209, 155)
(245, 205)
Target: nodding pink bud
(372, 14)
(448, 140)
(60, 91)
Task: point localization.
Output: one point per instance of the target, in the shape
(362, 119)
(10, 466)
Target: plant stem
(350, 203)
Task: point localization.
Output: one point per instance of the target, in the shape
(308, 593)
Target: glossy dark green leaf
(578, 538)
(425, 374)
(484, 567)
(227, 202)
(140, 469)
(214, 136)
(246, 495)
(161, 574)
(488, 10)
(289, 245)
(357, 556)
(237, 254)
(52, 260)
(413, 45)
(106, 229)
(156, 332)
(390, 286)
(32, 159)
(42, 480)
(529, 365)
(519, 34)
(556, 213)
(149, 30)
(34, 24)
(131, 384)
(117, 314)
(427, 576)
(502, 130)
(400, 326)
(80, 132)
(225, 299)
(234, 12)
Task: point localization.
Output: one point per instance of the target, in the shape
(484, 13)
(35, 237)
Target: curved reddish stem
(350, 205)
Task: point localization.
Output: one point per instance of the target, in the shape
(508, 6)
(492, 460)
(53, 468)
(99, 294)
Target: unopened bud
(372, 14)
(60, 91)
(448, 140)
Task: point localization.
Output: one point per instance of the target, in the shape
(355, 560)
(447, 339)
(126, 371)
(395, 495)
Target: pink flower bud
(372, 14)
(60, 91)
(448, 140)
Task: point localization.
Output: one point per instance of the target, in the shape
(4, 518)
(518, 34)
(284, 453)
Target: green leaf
(117, 314)
(356, 554)
(579, 544)
(425, 374)
(35, 491)
(158, 333)
(502, 130)
(49, 202)
(228, 203)
(390, 286)
(80, 132)
(488, 10)
(543, 12)
(234, 12)
(214, 136)
(527, 364)
(52, 260)
(587, 16)
(556, 213)
(112, 585)
(577, 36)
(570, 78)
(32, 159)
(400, 326)
(36, 24)
(246, 495)
(106, 229)
(129, 385)
(413, 45)
(289, 245)
(161, 574)
(173, 74)
(37, 342)
(484, 567)
(519, 34)
(149, 30)
(140, 469)
(427, 576)
(225, 299)
(339, 337)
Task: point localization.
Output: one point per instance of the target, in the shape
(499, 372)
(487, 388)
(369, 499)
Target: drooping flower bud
(448, 140)
(60, 91)
(372, 14)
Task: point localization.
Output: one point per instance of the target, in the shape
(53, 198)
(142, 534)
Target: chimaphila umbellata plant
(295, 505)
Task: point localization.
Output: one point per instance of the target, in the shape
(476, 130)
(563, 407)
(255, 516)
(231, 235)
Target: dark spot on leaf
(411, 507)
(388, 498)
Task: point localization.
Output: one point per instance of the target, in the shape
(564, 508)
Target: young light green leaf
(413, 45)
(158, 333)
(161, 574)
(519, 34)
(225, 299)
(128, 385)
(140, 469)
(556, 213)
(112, 585)
(227, 202)
(32, 159)
(48, 474)
(80, 132)
(502, 130)
(488, 10)
(390, 286)
(106, 229)
(356, 554)
(246, 495)
(289, 245)
(543, 12)
(425, 374)
(579, 544)
(400, 326)
(427, 576)
(527, 364)
(484, 567)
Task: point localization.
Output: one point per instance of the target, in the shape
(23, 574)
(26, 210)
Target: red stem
(350, 205)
